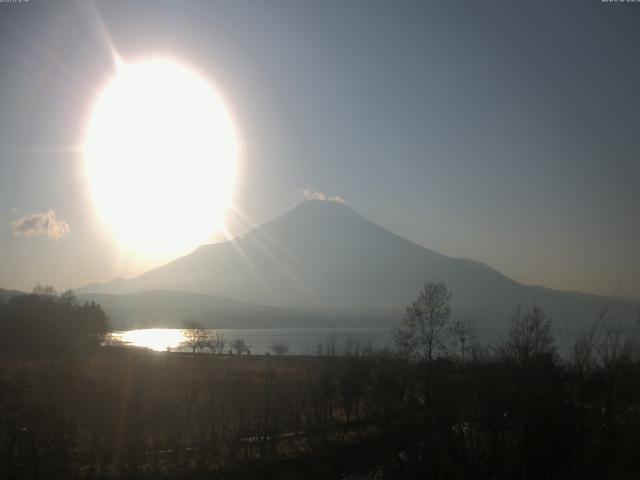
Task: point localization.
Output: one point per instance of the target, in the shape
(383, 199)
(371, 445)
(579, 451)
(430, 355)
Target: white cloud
(313, 195)
(43, 224)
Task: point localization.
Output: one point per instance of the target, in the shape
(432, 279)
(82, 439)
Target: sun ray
(94, 18)
(268, 246)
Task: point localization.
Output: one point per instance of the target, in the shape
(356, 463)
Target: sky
(501, 131)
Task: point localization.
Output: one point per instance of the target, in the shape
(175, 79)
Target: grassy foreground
(124, 413)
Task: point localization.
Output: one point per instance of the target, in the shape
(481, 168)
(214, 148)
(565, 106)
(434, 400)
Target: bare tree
(239, 346)
(279, 349)
(584, 351)
(44, 291)
(530, 338)
(423, 330)
(195, 335)
(215, 343)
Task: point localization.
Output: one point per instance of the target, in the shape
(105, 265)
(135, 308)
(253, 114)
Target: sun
(160, 156)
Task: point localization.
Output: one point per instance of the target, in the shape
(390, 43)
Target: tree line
(45, 322)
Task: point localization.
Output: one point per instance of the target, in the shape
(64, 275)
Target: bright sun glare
(161, 153)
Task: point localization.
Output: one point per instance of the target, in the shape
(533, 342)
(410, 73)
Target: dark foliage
(124, 414)
(44, 323)
(516, 410)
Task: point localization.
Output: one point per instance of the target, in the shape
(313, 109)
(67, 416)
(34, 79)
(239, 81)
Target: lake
(305, 341)
(300, 341)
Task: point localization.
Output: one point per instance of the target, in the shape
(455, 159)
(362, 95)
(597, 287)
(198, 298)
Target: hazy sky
(506, 132)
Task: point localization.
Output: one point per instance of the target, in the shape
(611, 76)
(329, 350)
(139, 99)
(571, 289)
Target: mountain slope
(323, 256)
(319, 254)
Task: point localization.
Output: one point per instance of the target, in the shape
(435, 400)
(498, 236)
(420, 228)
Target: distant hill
(325, 258)
(169, 309)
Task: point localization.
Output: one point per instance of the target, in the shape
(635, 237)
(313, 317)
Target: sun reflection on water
(157, 339)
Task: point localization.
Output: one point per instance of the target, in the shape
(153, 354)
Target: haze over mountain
(322, 256)
(169, 309)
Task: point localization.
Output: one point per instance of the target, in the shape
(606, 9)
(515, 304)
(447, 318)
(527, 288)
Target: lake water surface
(306, 341)
(300, 341)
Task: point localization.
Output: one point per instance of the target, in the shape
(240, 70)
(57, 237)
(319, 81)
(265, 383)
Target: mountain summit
(320, 254)
(323, 256)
